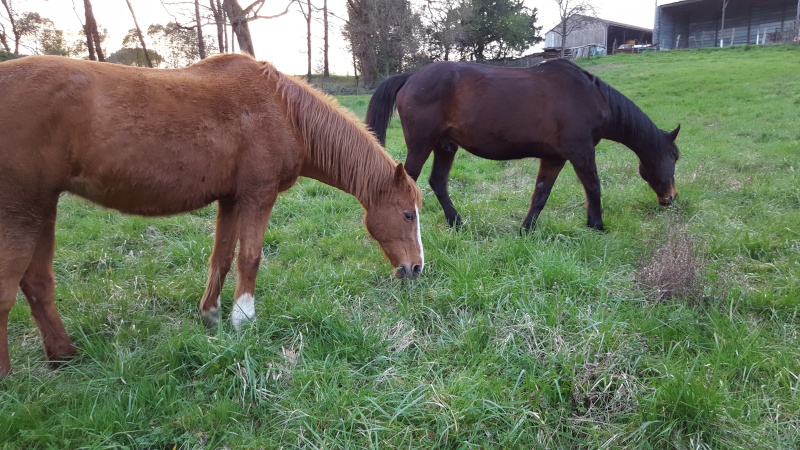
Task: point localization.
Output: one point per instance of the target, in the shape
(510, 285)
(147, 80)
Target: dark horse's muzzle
(669, 197)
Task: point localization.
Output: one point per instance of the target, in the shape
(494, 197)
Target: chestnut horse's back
(143, 141)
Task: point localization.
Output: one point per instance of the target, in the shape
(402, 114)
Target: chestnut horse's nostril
(403, 271)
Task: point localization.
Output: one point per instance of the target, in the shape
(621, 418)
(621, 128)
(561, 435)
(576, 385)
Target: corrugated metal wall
(695, 24)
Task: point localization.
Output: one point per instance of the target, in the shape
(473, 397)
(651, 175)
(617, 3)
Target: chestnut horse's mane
(338, 143)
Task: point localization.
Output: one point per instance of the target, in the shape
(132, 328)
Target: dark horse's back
(491, 111)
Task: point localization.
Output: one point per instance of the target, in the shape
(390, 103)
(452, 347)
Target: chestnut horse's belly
(149, 196)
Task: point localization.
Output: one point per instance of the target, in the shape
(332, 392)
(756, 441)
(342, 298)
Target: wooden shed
(720, 23)
(597, 35)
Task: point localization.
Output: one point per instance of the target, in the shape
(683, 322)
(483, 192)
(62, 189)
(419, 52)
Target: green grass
(553, 340)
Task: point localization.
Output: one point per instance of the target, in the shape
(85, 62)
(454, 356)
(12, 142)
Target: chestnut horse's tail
(381, 105)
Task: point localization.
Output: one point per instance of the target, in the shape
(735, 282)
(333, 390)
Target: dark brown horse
(554, 111)
(151, 142)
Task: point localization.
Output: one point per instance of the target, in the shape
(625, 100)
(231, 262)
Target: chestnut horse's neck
(340, 150)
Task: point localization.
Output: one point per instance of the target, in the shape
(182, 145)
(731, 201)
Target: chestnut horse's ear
(674, 133)
(400, 174)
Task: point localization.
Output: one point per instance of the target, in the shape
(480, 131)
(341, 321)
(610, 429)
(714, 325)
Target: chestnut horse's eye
(408, 215)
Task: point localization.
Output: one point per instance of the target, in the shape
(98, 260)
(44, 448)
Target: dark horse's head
(659, 172)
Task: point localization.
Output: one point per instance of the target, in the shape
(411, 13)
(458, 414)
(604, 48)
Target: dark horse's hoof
(598, 227)
(455, 223)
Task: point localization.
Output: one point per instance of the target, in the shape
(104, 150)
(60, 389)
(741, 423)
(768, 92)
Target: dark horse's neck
(628, 124)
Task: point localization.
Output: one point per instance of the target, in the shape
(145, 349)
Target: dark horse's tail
(381, 105)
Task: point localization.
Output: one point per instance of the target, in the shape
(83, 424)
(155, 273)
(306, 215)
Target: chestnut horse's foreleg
(253, 218)
(225, 237)
(442, 163)
(545, 179)
(17, 244)
(586, 169)
(38, 285)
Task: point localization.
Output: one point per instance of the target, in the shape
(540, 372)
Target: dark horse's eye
(408, 215)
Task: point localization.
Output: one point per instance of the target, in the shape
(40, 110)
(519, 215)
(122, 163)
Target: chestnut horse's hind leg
(442, 163)
(219, 263)
(253, 218)
(38, 285)
(548, 172)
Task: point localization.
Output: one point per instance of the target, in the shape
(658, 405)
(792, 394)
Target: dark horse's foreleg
(442, 163)
(586, 169)
(225, 238)
(548, 172)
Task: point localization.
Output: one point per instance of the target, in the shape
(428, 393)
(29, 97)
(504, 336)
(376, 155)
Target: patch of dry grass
(671, 269)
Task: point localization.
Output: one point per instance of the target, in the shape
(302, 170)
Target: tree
(383, 36)
(240, 18)
(140, 36)
(201, 46)
(177, 44)
(134, 57)
(574, 15)
(39, 35)
(495, 29)
(307, 15)
(326, 73)
(93, 42)
(442, 29)
(14, 29)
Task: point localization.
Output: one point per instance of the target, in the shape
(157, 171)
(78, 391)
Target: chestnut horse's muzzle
(403, 272)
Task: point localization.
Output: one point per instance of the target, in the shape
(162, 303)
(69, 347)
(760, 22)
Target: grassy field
(676, 328)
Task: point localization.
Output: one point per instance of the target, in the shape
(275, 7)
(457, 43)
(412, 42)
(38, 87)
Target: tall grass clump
(672, 268)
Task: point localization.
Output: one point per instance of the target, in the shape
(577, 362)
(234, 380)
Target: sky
(282, 40)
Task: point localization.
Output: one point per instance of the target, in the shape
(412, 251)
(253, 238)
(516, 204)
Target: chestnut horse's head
(393, 220)
(659, 172)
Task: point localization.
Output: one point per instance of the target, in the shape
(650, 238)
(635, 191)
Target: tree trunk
(141, 37)
(201, 45)
(308, 39)
(4, 41)
(14, 29)
(241, 28)
(326, 71)
(216, 10)
(92, 35)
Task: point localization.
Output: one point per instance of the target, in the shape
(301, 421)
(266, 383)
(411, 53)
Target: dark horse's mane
(629, 124)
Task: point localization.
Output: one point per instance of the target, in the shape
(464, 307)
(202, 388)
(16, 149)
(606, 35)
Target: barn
(593, 36)
(720, 23)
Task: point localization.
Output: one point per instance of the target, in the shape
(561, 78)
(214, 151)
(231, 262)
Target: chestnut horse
(155, 142)
(554, 111)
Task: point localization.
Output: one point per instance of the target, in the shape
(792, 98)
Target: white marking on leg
(244, 310)
(419, 240)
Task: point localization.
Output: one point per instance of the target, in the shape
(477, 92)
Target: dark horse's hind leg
(38, 285)
(548, 172)
(442, 163)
